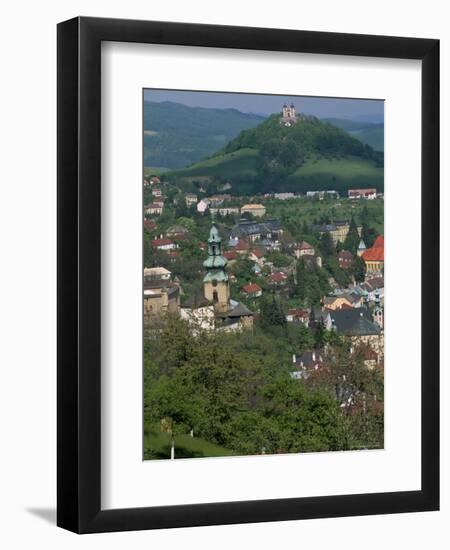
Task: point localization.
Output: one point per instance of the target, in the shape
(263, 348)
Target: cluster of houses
(356, 311)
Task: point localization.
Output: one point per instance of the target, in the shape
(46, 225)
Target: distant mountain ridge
(176, 135)
(371, 133)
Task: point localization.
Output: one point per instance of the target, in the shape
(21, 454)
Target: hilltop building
(289, 116)
(214, 309)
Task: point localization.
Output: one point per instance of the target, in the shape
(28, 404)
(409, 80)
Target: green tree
(358, 269)
(352, 239)
(304, 339)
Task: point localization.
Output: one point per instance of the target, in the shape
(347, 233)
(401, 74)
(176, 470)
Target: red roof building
(258, 252)
(345, 259)
(252, 289)
(374, 257)
(150, 225)
(241, 247)
(362, 193)
(279, 277)
(230, 255)
(163, 244)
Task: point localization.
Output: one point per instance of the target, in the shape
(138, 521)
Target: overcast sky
(356, 109)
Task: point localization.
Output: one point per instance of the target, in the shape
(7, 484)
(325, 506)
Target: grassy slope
(314, 174)
(352, 171)
(157, 445)
(241, 162)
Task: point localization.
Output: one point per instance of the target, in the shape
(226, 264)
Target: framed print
(248, 309)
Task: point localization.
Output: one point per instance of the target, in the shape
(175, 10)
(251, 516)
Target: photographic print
(263, 282)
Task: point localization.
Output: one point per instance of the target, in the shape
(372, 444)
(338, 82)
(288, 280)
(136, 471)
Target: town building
(332, 303)
(369, 194)
(297, 315)
(156, 274)
(190, 199)
(338, 230)
(345, 259)
(304, 249)
(217, 200)
(252, 290)
(150, 225)
(322, 194)
(359, 326)
(161, 294)
(270, 231)
(374, 257)
(256, 210)
(177, 232)
(154, 209)
(225, 211)
(163, 243)
(202, 206)
(278, 278)
(306, 363)
(217, 307)
(284, 196)
(257, 255)
(361, 248)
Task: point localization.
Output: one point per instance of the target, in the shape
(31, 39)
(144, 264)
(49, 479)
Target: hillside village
(305, 268)
(260, 259)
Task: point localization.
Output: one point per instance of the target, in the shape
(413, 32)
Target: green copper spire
(215, 263)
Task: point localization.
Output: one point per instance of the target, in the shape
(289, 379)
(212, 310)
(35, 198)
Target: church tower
(378, 314)
(216, 286)
(289, 115)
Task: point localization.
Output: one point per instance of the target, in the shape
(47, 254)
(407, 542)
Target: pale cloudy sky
(370, 110)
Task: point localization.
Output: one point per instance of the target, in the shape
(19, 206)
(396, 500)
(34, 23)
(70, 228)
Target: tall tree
(352, 239)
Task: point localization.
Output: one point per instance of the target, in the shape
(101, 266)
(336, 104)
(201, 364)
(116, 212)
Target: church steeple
(378, 314)
(215, 282)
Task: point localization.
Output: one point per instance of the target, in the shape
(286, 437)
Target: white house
(202, 206)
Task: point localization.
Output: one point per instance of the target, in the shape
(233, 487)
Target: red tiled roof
(150, 225)
(258, 252)
(241, 245)
(345, 255)
(304, 246)
(252, 287)
(161, 242)
(361, 191)
(278, 277)
(230, 254)
(379, 242)
(376, 253)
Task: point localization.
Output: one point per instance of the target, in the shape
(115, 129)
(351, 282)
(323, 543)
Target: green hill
(176, 135)
(309, 155)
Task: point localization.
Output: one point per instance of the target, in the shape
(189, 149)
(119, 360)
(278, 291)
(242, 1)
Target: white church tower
(289, 115)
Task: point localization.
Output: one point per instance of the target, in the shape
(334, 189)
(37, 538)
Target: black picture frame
(79, 281)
